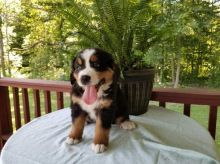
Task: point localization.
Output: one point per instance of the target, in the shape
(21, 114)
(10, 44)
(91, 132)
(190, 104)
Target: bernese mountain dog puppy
(96, 97)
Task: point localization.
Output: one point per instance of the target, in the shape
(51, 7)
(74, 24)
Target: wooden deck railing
(162, 95)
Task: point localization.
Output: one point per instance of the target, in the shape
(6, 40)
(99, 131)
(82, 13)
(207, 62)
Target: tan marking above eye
(93, 58)
(79, 61)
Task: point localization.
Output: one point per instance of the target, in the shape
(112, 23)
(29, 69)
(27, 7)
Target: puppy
(96, 97)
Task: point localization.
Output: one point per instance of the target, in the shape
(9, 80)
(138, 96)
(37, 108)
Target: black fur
(77, 90)
(105, 60)
(72, 79)
(77, 111)
(106, 116)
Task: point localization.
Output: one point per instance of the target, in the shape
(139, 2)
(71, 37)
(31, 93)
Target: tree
(40, 40)
(180, 38)
(7, 16)
(2, 54)
(184, 31)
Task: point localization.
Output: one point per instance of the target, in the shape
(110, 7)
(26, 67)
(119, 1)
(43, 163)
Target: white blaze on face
(88, 70)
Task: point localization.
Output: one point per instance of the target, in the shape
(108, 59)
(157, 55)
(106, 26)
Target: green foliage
(165, 34)
(119, 27)
(41, 41)
(187, 31)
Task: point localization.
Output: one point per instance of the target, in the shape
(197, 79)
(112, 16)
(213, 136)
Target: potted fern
(123, 29)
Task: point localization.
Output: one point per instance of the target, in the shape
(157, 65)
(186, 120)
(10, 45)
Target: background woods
(180, 38)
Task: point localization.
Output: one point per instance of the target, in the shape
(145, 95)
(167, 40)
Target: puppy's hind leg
(125, 123)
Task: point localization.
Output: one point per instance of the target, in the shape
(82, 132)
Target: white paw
(72, 141)
(127, 125)
(98, 148)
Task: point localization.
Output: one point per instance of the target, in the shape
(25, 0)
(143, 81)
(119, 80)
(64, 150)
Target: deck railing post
(212, 120)
(186, 110)
(5, 114)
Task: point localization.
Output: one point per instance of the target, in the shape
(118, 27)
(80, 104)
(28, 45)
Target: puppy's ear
(72, 78)
(117, 72)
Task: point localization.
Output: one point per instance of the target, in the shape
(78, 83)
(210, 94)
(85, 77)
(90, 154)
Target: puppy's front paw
(98, 148)
(72, 141)
(128, 125)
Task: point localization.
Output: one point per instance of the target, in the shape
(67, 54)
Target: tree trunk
(173, 70)
(6, 37)
(177, 73)
(2, 50)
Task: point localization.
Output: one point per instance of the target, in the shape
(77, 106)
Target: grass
(198, 112)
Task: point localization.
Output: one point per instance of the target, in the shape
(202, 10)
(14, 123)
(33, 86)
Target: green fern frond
(79, 9)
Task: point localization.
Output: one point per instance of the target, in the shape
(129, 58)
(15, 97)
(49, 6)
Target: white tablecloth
(162, 136)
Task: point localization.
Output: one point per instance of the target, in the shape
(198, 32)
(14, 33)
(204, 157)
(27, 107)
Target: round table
(161, 136)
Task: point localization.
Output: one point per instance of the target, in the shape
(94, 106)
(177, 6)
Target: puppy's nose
(85, 79)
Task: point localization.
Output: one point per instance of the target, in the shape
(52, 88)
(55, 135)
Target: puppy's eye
(96, 65)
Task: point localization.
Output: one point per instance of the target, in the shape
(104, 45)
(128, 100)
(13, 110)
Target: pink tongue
(90, 94)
